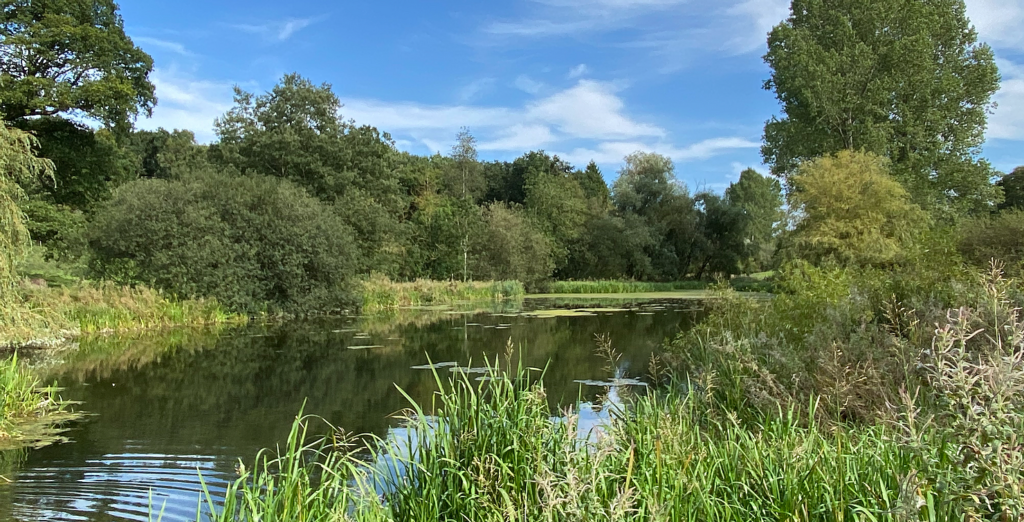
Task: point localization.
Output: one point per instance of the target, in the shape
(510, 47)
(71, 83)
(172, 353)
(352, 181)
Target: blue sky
(585, 79)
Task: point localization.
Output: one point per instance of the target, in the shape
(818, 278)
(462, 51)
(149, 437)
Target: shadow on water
(163, 406)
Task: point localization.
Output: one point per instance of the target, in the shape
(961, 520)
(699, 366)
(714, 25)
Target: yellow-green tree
(851, 211)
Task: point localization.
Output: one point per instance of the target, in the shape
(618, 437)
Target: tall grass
(380, 293)
(741, 284)
(489, 450)
(104, 307)
(22, 399)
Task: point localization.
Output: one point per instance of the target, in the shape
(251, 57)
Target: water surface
(165, 407)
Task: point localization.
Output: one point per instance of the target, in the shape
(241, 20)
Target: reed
(87, 307)
(380, 293)
(22, 400)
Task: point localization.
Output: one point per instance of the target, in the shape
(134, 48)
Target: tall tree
(467, 171)
(759, 198)
(903, 79)
(71, 56)
(1013, 190)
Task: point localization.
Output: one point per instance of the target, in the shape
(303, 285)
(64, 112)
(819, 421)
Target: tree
(851, 211)
(252, 242)
(71, 56)
(903, 79)
(759, 198)
(558, 206)
(721, 233)
(89, 164)
(510, 247)
(1013, 190)
(999, 237)
(163, 154)
(594, 187)
(295, 132)
(17, 163)
(467, 171)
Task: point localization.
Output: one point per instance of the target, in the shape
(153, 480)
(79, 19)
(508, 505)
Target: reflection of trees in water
(242, 388)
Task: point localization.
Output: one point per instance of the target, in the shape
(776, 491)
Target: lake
(165, 407)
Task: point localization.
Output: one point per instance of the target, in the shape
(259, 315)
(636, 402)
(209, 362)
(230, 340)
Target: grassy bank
(383, 294)
(53, 313)
(495, 454)
(832, 401)
(741, 284)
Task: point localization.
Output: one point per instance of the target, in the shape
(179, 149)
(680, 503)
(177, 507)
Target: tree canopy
(71, 56)
(906, 80)
(1013, 190)
(851, 211)
(17, 162)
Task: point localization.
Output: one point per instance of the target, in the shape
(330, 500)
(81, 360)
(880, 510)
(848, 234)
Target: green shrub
(999, 237)
(250, 242)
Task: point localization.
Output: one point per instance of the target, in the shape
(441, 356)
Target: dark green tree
(594, 187)
(510, 247)
(164, 154)
(721, 243)
(71, 57)
(1013, 190)
(251, 242)
(760, 200)
(903, 79)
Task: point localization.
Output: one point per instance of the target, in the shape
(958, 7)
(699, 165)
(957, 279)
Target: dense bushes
(1000, 236)
(253, 243)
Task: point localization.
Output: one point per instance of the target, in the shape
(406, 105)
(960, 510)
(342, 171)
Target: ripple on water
(128, 486)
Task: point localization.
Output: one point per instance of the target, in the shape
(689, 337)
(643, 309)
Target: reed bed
(740, 284)
(22, 398)
(490, 451)
(380, 293)
(86, 307)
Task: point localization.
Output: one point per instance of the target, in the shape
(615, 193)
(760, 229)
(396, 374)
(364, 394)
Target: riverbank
(855, 394)
(29, 412)
(47, 316)
(380, 293)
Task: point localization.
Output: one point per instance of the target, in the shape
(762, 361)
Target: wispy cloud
(473, 89)
(587, 121)
(166, 45)
(187, 103)
(278, 31)
(528, 85)
(578, 71)
(998, 22)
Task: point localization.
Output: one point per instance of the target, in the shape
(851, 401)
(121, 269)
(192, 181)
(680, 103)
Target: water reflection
(165, 406)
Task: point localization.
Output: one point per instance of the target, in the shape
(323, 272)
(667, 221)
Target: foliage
(851, 211)
(22, 397)
(165, 155)
(71, 57)
(1013, 190)
(380, 293)
(60, 229)
(510, 247)
(88, 164)
(252, 243)
(722, 227)
(907, 81)
(999, 236)
(760, 200)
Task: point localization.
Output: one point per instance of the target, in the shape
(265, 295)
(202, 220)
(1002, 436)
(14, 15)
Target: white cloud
(474, 88)
(528, 85)
(590, 110)
(174, 47)
(613, 152)
(578, 71)
(521, 137)
(998, 22)
(758, 17)
(186, 103)
(1007, 122)
(278, 31)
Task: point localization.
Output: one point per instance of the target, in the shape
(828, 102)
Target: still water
(164, 408)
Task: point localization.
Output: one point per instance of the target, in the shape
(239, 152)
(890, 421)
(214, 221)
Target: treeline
(292, 203)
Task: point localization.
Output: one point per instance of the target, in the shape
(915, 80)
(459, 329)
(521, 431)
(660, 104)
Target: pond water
(163, 408)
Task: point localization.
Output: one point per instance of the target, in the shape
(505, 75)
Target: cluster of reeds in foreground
(22, 400)
(709, 449)
(380, 293)
(87, 307)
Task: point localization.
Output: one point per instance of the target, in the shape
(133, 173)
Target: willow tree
(17, 163)
(904, 79)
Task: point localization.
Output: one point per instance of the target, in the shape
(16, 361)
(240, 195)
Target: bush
(510, 247)
(252, 243)
(999, 237)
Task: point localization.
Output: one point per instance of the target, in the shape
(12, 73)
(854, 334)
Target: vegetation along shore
(879, 376)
